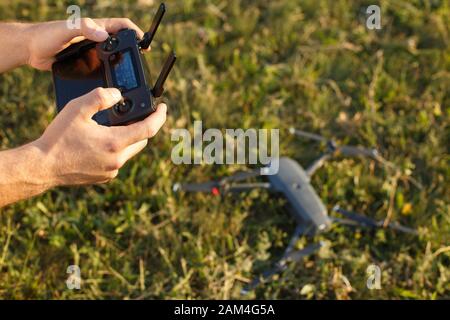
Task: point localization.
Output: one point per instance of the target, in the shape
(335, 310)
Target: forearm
(14, 40)
(23, 174)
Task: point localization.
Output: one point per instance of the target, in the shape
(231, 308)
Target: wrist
(26, 32)
(23, 174)
(18, 39)
(41, 170)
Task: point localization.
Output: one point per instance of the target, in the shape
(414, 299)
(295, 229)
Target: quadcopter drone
(294, 183)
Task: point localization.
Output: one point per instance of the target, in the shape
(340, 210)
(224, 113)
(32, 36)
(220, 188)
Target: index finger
(113, 25)
(141, 130)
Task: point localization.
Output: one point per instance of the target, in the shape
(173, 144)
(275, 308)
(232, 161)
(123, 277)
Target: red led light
(215, 191)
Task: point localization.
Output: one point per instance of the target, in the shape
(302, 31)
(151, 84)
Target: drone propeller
(357, 219)
(242, 175)
(196, 187)
(333, 148)
(352, 151)
(307, 135)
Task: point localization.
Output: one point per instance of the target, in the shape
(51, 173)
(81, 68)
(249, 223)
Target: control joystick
(123, 106)
(110, 44)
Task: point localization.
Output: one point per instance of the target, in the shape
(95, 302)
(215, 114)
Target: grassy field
(311, 64)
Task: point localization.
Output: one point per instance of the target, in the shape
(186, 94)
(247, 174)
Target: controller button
(110, 44)
(123, 106)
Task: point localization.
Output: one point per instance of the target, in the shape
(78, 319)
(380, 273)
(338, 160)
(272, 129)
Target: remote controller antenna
(148, 36)
(158, 89)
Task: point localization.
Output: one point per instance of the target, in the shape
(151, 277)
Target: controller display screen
(124, 72)
(77, 75)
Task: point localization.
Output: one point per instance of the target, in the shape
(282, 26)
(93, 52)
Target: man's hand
(74, 149)
(37, 44)
(80, 151)
(49, 38)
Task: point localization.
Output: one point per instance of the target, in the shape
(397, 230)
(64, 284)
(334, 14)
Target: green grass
(311, 64)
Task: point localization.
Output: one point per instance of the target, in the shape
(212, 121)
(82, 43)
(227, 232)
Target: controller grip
(101, 118)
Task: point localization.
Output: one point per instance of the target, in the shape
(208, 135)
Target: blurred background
(311, 64)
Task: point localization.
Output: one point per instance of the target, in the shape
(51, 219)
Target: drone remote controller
(117, 62)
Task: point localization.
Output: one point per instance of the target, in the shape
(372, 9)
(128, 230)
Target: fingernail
(164, 107)
(115, 94)
(100, 34)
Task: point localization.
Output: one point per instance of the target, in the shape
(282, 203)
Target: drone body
(293, 182)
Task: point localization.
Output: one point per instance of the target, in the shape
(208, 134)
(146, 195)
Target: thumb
(92, 31)
(94, 101)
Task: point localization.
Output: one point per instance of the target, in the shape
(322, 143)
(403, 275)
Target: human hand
(79, 151)
(47, 39)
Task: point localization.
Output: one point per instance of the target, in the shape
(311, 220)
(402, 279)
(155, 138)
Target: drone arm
(290, 254)
(348, 151)
(226, 184)
(317, 164)
(355, 219)
(281, 265)
(355, 151)
(241, 187)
